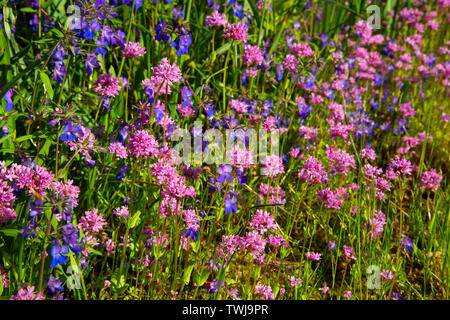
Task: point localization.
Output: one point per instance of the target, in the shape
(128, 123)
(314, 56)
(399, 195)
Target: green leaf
(28, 9)
(134, 221)
(187, 274)
(24, 138)
(47, 84)
(10, 232)
(223, 49)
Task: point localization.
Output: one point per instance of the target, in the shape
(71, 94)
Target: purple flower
(54, 285)
(91, 63)
(36, 207)
(407, 243)
(58, 253)
(230, 206)
(8, 97)
(215, 285)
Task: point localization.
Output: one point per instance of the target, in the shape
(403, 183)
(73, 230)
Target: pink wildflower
(236, 32)
(252, 54)
(216, 19)
(118, 149)
(164, 76)
(262, 221)
(107, 85)
(133, 50)
(272, 166)
(92, 221)
(430, 180)
(142, 144)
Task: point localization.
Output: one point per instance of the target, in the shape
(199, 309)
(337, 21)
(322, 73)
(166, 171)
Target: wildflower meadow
(224, 150)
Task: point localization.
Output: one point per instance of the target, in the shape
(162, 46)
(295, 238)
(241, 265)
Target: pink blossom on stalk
(252, 54)
(301, 50)
(121, 212)
(142, 144)
(294, 281)
(348, 252)
(273, 166)
(109, 245)
(348, 294)
(341, 161)
(277, 241)
(312, 171)
(107, 85)
(238, 105)
(191, 219)
(118, 149)
(164, 76)
(133, 50)
(27, 294)
(68, 190)
(309, 133)
(398, 166)
(92, 221)
(265, 291)
(216, 19)
(368, 153)
(387, 275)
(290, 63)
(262, 221)
(7, 198)
(430, 180)
(228, 246)
(4, 276)
(240, 156)
(332, 199)
(254, 242)
(237, 32)
(314, 256)
(377, 223)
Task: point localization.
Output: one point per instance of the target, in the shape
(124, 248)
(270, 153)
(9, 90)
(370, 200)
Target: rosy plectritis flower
(133, 50)
(107, 85)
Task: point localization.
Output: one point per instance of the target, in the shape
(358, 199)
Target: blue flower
(160, 29)
(230, 206)
(58, 253)
(122, 171)
(8, 99)
(191, 233)
(215, 286)
(36, 207)
(91, 63)
(54, 285)
(70, 132)
(407, 243)
(225, 173)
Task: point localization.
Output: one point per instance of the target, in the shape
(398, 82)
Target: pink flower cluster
(332, 199)
(312, 171)
(341, 161)
(272, 166)
(133, 50)
(164, 76)
(107, 85)
(216, 19)
(262, 221)
(92, 222)
(142, 144)
(237, 31)
(430, 180)
(252, 54)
